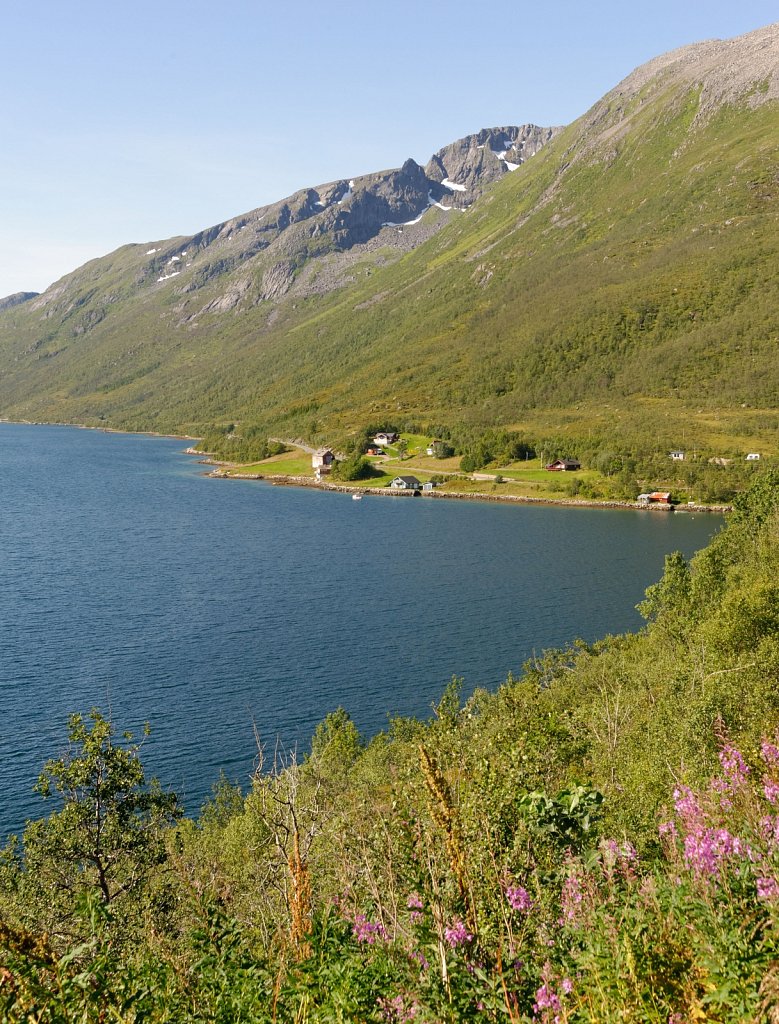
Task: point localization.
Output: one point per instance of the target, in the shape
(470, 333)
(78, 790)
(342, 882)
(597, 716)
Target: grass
(297, 463)
(526, 478)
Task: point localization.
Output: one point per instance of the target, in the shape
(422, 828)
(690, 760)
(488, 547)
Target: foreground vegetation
(597, 841)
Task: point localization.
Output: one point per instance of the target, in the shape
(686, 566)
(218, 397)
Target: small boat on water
(357, 497)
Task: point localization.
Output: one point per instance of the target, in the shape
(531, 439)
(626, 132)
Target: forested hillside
(618, 285)
(597, 841)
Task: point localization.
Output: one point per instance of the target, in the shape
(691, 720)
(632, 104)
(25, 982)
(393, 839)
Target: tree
(108, 834)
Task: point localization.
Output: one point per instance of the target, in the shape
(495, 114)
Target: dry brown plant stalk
(444, 814)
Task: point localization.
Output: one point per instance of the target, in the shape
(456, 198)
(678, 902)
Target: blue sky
(134, 122)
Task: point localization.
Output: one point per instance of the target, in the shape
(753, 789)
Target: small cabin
(429, 485)
(405, 483)
(654, 498)
(322, 460)
(563, 466)
(753, 457)
(677, 456)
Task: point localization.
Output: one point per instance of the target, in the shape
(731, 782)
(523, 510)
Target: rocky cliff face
(477, 160)
(308, 242)
(16, 299)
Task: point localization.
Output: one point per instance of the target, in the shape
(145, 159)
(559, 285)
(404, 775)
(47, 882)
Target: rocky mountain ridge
(259, 256)
(17, 299)
(629, 265)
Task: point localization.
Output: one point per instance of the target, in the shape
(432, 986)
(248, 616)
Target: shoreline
(102, 430)
(282, 480)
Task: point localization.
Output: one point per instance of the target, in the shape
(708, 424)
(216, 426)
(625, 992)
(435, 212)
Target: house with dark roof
(563, 466)
(405, 483)
(322, 460)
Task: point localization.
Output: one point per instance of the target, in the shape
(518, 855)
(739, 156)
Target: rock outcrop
(17, 299)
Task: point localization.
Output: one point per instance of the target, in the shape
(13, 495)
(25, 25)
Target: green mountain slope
(621, 283)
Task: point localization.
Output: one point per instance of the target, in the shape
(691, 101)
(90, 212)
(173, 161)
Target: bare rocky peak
(740, 70)
(17, 299)
(475, 161)
(728, 70)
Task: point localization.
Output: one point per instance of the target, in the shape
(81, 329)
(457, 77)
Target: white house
(677, 456)
(753, 456)
(405, 483)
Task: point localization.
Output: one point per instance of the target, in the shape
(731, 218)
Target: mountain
(621, 284)
(17, 299)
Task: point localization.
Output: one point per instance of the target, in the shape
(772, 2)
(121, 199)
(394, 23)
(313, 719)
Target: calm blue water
(131, 582)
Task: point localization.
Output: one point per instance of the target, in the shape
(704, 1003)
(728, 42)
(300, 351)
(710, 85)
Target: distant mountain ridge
(272, 243)
(17, 299)
(621, 283)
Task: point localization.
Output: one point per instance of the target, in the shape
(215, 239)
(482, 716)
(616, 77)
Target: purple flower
(571, 898)
(519, 898)
(619, 857)
(771, 791)
(770, 828)
(457, 934)
(687, 806)
(770, 752)
(396, 1010)
(368, 931)
(421, 959)
(667, 828)
(767, 889)
(414, 902)
(546, 999)
(548, 1003)
(706, 849)
(734, 766)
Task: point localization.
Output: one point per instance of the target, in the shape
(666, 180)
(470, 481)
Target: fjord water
(209, 608)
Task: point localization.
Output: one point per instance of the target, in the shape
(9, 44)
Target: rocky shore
(385, 492)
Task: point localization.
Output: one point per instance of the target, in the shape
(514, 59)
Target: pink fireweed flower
(368, 931)
(414, 902)
(734, 766)
(571, 898)
(667, 828)
(396, 1010)
(771, 791)
(707, 849)
(546, 999)
(457, 934)
(687, 807)
(618, 858)
(518, 898)
(769, 752)
(421, 959)
(767, 889)
(769, 829)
